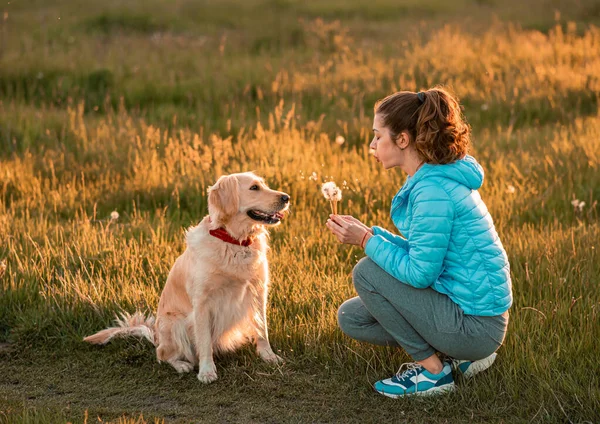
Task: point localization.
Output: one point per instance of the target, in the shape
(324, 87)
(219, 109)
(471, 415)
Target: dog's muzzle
(271, 217)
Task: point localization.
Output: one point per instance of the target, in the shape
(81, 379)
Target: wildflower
(511, 189)
(332, 193)
(578, 205)
(313, 176)
(340, 140)
(114, 215)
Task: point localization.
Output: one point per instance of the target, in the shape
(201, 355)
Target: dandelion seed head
(337, 194)
(339, 140)
(329, 190)
(114, 215)
(511, 189)
(578, 204)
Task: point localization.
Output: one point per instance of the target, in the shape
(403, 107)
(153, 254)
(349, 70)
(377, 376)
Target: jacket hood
(466, 171)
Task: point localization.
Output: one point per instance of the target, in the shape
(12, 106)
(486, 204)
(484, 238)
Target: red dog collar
(221, 233)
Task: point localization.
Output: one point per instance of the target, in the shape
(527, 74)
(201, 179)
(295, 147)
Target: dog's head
(239, 202)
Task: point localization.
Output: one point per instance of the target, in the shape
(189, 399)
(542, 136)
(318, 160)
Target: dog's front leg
(263, 347)
(203, 342)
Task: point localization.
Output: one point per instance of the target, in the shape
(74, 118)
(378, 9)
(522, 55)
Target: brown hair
(433, 120)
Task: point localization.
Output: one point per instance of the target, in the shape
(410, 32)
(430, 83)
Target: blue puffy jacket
(451, 244)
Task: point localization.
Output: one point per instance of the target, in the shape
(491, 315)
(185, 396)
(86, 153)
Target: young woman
(445, 287)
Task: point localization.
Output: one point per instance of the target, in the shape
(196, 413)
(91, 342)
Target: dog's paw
(207, 377)
(182, 366)
(270, 357)
(207, 373)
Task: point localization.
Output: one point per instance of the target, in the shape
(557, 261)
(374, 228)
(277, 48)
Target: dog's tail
(136, 325)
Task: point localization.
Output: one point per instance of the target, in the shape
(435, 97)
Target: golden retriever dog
(215, 298)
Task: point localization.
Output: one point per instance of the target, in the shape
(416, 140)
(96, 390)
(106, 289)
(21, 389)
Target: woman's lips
(373, 153)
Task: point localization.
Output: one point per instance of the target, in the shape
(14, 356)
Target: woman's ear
(223, 199)
(403, 140)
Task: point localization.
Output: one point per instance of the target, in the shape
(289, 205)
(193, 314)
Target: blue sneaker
(416, 380)
(469, 368)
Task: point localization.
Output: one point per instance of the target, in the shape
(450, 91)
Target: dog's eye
(255, 187)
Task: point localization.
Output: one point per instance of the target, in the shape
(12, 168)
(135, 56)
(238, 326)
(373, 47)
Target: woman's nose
(373, 144)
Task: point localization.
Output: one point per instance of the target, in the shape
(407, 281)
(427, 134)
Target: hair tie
(421, 96)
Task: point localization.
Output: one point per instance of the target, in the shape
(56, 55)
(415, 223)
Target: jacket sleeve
(429, 236)
(389, 236)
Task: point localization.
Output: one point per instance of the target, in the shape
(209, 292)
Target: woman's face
(384, 148)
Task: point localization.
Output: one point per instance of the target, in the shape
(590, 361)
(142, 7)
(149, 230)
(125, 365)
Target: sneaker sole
(431, 392)
(481, 365)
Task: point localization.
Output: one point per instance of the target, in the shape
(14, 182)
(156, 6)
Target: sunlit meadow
(114, 121)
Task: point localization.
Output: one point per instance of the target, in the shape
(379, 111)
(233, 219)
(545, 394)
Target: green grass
(138, 109)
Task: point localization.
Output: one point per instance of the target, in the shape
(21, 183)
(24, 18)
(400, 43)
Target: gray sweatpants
(388, 312)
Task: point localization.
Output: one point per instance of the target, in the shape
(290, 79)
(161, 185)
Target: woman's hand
(353, 220)
(349, 230)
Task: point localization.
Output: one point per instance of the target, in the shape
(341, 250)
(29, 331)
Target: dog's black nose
(285, 198)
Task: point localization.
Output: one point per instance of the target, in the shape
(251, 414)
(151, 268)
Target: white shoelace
(410, 367)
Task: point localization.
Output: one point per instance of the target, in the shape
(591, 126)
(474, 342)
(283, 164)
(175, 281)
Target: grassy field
(137, 107)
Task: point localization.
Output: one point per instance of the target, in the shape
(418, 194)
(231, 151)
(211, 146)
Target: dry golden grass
(73, 152)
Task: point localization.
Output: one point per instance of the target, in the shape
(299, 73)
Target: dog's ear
(223, 199)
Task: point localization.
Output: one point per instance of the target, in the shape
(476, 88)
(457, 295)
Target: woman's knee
(345, 315)
(361, 272)
(350, 316)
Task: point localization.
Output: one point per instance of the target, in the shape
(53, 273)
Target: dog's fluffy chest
(217, 263)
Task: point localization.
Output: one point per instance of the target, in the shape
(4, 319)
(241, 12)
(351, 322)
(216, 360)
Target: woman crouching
(445, 287)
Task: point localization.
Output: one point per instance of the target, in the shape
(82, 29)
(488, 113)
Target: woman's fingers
(339, 220)
(352, 220)
(333, 226)
(336, 230)
(336, 220)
